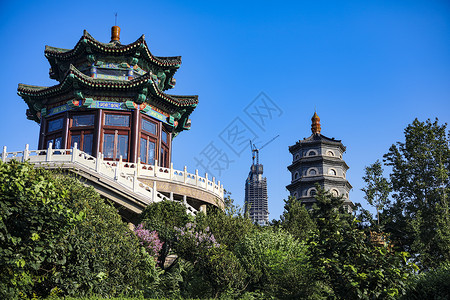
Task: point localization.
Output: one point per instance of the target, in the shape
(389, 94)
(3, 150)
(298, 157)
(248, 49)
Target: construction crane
(255, 151)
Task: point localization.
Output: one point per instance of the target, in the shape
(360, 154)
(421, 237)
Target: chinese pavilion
(318, 160)
(110, 105)
(110, 99)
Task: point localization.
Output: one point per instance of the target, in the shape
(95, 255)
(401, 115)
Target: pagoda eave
(113, 49)
(136, 84)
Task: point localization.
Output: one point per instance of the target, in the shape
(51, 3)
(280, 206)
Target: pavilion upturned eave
(114, 49)
(138, 83)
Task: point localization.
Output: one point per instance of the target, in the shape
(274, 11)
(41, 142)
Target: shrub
(276, 263)
(192, 242)
(433, 284)
(57, 236)
(149, 239)
(163, 217)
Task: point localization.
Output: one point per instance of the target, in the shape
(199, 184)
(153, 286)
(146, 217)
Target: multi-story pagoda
(111, 115)
(318, 160)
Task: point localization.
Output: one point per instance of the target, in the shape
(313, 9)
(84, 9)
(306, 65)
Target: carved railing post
(4, 154)
(98, 161)
(171, 171)
(74, 152)
(206, 181)
(120, 164)
(185, 174)
(135, 181)
(138, 167)
(116, 173)
(26, 152)
(156, 167)
(154, 191)
(49, 152)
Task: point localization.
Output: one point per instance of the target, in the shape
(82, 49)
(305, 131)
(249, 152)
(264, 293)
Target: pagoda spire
(315, 126)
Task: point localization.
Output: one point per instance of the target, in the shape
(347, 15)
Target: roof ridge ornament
(315, 126)
(115, 34)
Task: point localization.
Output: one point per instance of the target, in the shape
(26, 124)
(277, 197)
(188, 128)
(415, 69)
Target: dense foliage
(57, 236)
(276, 263)
(434, 284)
(296, 219)
(418, 218)
(348, 261)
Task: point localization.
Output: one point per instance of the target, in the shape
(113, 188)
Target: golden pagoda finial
(115, 32)
(315, 126)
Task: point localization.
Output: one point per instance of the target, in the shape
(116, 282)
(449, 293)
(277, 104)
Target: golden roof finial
(315, 126)
(115, 32)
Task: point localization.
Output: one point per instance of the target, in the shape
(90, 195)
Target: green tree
(296, 219)
(377, 187)
(347, 262)
(419, 218)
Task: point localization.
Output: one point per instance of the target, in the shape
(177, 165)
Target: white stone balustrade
(124, 173)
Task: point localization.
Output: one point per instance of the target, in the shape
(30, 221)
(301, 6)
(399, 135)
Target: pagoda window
(148, 141)
(311, 192)
(330, 153)
(334, 193)
(83, 120)
(55, 140)
(84, 140)
(311, 153)
(332, 172)
(115, 145)
(115, 138)
(82, 132)
(117, 120)
(164, 152)
(312, 172)
(54, 133)
(147, 150)
(54, 125)
(149, 126)
(164, 137)
(164, 158)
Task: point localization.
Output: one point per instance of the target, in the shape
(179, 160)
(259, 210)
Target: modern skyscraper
(318, 159)
(256, 200)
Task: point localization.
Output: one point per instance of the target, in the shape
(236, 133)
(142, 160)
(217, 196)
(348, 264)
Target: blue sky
(368, 68)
